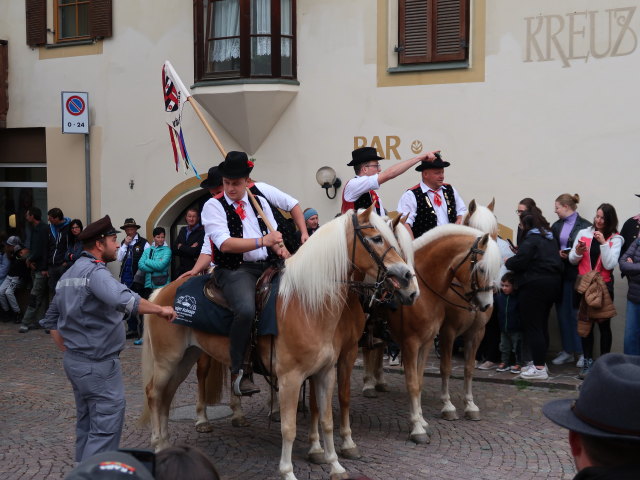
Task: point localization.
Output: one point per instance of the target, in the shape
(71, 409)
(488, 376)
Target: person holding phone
(598, 248)
(565, 230)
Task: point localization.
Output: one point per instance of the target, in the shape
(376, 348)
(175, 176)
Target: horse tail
(215, 382)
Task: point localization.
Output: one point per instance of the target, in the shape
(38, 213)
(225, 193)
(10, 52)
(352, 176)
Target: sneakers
(488, 365)
(588, 363)
(515, 369)
(503, 367)
(24, 329)
(580, 362)
(137, 342)
(394, 362)
(533, 373)
(563, 357)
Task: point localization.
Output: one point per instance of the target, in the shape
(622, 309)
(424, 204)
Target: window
(432, 31)
(73, 20)
(244, 39)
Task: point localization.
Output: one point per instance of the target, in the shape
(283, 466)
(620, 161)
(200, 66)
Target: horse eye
(376, 239)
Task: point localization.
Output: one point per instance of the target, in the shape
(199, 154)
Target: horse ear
(472, 207)
(367, 213)
(395, 222)
(492, 204)
(483, 241)
(404, 219)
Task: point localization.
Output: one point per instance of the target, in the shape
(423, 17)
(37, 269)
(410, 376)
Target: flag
(175, 96)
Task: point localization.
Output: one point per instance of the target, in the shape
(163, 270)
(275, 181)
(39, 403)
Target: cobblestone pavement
(513, 440)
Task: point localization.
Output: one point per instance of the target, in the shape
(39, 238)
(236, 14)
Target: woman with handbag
(155, 263)
(598, 248)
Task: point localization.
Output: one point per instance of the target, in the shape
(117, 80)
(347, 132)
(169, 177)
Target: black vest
(138, 249)
(365, 201)
(426, 218)
(233, 260)
(285, 226)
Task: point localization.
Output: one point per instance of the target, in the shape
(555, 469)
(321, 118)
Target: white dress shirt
(409, 205)
(122, 251)
(214, 219)
(277, 197)
(358, 186)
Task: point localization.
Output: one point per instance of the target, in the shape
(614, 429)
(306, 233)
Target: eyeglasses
(520, 212)
(375, 165)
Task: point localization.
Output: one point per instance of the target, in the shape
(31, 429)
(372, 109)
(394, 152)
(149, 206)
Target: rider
(432, 202)
(241, 246)
(360, 191)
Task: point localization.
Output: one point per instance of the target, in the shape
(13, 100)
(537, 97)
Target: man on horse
(85, 318)
(432, 202)
(242, 248)
(360, 191)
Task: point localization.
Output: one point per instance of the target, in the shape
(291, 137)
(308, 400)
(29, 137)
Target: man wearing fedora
(432, 202)
(604, 421)
(85, 318)
(242, 249)
(129, 255)
(360, 191)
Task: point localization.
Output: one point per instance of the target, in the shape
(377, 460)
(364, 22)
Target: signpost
(75, 119)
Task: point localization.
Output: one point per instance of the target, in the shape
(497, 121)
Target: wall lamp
(326, 178)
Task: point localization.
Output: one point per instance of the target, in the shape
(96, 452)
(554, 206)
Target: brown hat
(98, 229)
(129, 222)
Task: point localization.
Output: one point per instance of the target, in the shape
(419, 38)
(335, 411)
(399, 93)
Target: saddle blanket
(196, 311)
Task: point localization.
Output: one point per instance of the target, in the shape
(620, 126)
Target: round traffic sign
(75, 105)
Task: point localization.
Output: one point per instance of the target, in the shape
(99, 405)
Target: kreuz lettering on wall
(581, 35)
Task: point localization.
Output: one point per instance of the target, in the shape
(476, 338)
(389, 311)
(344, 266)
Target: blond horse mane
(488, 267)
(317, 273)
(484, 220)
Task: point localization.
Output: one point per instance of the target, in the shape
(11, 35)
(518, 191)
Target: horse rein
(457, 288)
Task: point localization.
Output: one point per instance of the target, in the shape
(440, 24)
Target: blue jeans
(567, 320)
(632, 329)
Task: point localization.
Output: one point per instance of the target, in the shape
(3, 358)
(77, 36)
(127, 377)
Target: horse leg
(447, 337)
(411, 374)
(324, 381)
(372, 381)
(202, 370)
(349, 449)
(423, 354)
(235, 403)
(316, 452)
(288, 391)
(473, 337)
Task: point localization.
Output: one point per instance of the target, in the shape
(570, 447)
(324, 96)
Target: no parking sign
(75, 112)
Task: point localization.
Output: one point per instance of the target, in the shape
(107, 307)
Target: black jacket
(38, 246)
(630, 472)
(537, 258)
(58, 244)
(188, 255)
(629, 232)
(570, 271)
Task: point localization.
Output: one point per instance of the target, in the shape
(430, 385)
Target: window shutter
(4, 82)
(100, 18)
(433, 30)
(36, 21)
(451, 36)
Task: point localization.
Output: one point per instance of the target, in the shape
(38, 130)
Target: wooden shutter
(36, 21)
(100, 18)
(4, 82)
(433, 30)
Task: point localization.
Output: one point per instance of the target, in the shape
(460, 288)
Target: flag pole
(216, 140)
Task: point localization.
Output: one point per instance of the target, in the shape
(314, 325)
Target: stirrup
(236, 383)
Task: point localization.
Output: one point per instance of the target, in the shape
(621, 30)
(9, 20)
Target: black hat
(110, 466)
(362, 155)
(129, 222)
(607, 406)
(637, 194)
(213, 180)
(437, 163)
(235, 165)
(99, 229)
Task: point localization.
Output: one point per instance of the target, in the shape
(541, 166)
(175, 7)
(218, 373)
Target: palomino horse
(313, 293)
(455, 265)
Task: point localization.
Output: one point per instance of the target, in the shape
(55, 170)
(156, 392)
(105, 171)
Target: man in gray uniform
(86, 322)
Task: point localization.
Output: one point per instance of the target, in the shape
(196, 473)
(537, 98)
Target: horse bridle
(380, 291)
(457, 288)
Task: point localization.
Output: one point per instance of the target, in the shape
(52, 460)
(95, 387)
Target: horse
(313, 292)
(456, 266)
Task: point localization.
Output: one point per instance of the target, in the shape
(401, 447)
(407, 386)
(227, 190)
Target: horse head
(482, 218)
(376, 253)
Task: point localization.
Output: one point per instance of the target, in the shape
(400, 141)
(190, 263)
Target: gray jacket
(632, 270)
(89, 307)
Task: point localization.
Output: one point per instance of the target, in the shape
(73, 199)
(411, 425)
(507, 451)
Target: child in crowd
(16, 277)
(506, 304)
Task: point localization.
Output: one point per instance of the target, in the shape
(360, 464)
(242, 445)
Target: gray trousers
(7, 294)
(99, 393)
(239, 288)
(37, 299)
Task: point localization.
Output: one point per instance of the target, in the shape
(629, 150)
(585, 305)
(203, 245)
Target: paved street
(512, 441)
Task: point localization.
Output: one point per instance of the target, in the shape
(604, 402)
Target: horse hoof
(351, 453)
(473, 415)
(369, 393)
(239, 422)
(204, 428)
(274, 417)
(340, 476)
(450, 415)
(420, 438)
(317, 458)
(382, 387)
